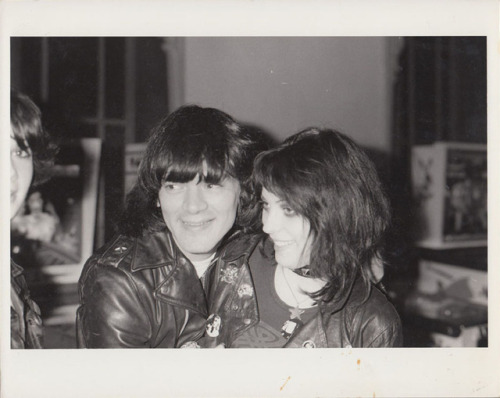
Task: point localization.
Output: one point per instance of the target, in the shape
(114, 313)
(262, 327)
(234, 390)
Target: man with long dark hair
(145, 288)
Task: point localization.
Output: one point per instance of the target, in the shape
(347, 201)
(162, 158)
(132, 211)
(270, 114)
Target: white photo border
(220, 373)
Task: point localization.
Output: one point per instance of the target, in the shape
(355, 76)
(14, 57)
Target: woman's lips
(282, 243)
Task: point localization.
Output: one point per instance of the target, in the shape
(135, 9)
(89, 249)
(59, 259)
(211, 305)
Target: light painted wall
(285, 84)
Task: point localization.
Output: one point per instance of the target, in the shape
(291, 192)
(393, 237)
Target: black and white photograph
(236, 191)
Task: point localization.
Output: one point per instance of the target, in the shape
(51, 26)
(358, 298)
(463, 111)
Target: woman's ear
(158, 203)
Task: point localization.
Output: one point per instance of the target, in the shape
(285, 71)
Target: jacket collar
(159, 249)
(239, 245)
(181, 285)
(15, 270)
(154, 250)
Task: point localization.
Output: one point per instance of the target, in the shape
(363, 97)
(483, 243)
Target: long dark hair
(26, 123)
(326, 178)
(176, 151)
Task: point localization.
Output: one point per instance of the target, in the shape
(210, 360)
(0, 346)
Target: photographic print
(416, 98)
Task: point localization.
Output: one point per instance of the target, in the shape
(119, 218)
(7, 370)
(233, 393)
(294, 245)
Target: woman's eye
(264, 205)
(23, 154)
(288, 211)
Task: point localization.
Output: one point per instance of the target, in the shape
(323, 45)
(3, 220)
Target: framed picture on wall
(450, 193)
(53, 235)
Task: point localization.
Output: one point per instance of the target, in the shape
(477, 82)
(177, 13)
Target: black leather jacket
(140, 292)
(26, 330)
(354, 322)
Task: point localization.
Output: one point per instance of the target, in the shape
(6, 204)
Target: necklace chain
(291, 290)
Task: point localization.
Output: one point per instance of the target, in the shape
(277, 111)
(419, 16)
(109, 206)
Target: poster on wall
(466, 211)
(450, 195)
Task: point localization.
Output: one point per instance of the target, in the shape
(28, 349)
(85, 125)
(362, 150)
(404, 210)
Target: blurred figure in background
(31, 155)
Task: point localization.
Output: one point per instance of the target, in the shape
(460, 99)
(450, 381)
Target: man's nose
(195, 199)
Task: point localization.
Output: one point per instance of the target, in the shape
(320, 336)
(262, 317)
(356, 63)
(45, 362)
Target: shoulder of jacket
(114, 252)
(240, 247)
(376, 306)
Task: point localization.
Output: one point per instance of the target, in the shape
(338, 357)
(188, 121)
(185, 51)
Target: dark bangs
(299, 188)
(25, 120)
(202, 138)
(181, 168)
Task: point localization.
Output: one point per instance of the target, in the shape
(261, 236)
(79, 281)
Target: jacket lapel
(153, 250)
(181, 285)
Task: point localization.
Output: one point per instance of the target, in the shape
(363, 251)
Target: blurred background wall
(286, 84)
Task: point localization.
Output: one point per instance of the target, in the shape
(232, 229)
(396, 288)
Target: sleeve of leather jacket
(381, 327)
(111, 314)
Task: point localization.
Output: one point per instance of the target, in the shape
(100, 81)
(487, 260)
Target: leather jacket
(26, 330)
(353, 322)
(140, 292)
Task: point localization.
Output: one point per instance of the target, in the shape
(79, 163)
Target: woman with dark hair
(309, 282)
(145, 288)
(31, 155)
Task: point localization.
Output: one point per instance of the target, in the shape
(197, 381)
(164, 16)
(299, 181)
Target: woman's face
(21, 174)
(289, 231)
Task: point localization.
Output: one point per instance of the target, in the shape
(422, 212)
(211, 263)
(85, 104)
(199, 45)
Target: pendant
(290, 327)
(295, 313)
(293, 324)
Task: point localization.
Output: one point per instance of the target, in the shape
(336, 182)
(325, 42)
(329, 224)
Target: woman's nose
(270, 221)
(194, 200)
(13, 170)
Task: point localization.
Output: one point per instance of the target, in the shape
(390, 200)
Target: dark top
(278, 321)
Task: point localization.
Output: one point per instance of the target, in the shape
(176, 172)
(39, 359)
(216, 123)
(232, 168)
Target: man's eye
(212, 186)
(170, 186)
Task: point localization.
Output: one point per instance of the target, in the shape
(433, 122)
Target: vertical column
(44, 71)
(173, 48)
(130, 82)
(438, 89)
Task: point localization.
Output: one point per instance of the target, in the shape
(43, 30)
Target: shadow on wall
(398, 245)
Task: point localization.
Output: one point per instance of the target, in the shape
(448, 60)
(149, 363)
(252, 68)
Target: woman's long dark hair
(176, 151)
(26, 123)
(325, 177)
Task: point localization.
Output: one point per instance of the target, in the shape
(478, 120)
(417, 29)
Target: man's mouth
(195, 224)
